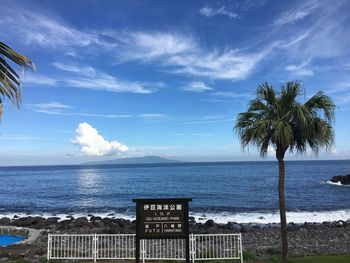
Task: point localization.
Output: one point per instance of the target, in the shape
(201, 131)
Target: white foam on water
(335, 183)
(274, 217)
(66, 216)
(222, 217)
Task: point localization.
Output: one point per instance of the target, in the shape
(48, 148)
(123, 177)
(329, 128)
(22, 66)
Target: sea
(243, 192)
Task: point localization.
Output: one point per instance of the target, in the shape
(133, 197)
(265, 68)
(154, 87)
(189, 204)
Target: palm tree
(10, 81)
(279, 120)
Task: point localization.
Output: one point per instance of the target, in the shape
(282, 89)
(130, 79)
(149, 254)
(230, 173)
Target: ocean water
(238, 191)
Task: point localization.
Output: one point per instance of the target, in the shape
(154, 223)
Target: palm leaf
(10, 80)
(279, 120)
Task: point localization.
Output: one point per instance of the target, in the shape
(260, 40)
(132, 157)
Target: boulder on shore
(343, 179)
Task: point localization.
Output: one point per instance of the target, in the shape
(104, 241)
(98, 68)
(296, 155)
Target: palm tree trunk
(282, 206)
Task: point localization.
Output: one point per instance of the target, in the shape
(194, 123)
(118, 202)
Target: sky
(121, 79)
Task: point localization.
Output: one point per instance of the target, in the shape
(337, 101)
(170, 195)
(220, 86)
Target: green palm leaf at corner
(10, 80)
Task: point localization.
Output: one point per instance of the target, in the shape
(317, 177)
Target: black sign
(166, 218)
(162, 218)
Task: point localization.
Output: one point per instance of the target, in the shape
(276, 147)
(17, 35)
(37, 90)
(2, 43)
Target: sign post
(162, 219)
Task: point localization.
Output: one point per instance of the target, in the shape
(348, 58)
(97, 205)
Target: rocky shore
(261, 240)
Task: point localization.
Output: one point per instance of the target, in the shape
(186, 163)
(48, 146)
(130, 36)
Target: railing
(122, 246)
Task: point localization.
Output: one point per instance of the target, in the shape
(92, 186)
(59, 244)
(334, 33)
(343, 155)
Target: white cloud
(93, 144)
(319, 39)
(32, 28)
(183, 55)
(174, 52)
(298, 13)
(209, 12)
(56, 108)
(231, 94)
(209, 120)
(49, 106)
(74, 68)
(324, 37)
(149, 46)
(84, 114)
(152, 116)
(11, 137)
(109, 83)
(89, 78)
(36, 79)
(300, 70)
(197, 86)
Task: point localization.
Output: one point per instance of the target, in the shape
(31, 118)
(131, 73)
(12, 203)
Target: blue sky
(133, 78)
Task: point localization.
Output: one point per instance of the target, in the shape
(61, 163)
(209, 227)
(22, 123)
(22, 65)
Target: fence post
(241, 247)
(193, 248)
(48, 247)
(95, 248)
(143, 250)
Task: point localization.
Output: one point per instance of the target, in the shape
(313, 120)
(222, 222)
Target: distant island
(135, 160)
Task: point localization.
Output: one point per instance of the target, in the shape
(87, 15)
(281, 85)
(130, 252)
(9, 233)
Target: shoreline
(263, 240)
(87, 224)
(262, 218)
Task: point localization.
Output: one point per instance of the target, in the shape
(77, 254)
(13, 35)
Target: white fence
(122, 246)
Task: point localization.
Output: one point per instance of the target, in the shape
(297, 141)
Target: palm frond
(279, 120)
(10, 80)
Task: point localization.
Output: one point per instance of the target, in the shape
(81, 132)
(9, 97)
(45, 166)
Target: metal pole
(48, 247)
(241, 247)
(188, 249)
(95, 248)
(193, 248)
(143, 251)
(137, 251)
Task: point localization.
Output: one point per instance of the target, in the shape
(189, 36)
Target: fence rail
(122, 246)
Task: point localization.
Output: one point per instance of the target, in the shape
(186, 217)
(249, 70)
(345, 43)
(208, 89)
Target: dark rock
(107, 221)
(80, 222)
(5, 221)
(64, 224)
(247, 229)
(343, 179)
(95, 218)
(98, 224)
(209, 223)
(38, 220)
(292, 227)
(52, 220)
(340, 223)
(28, 221)
(234, 227)
(123, 222)
(191, 219)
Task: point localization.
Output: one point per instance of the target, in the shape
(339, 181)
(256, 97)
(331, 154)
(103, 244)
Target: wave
(297, 217)
(335, 183)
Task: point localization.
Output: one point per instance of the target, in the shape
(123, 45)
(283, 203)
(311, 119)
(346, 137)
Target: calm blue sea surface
(240, 190)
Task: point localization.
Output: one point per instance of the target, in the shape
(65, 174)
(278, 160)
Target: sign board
(162, 218)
